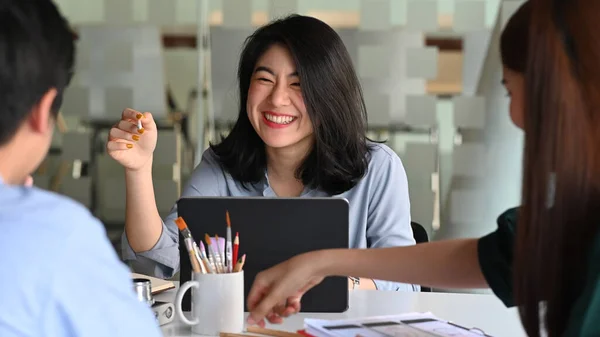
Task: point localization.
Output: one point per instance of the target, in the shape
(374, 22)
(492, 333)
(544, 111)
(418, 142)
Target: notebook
(404, 325)
(158, 285)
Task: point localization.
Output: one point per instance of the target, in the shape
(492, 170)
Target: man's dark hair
(334, 101)
(36, 54)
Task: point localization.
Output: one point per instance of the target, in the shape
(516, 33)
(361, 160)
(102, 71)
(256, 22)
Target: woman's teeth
(279, 119)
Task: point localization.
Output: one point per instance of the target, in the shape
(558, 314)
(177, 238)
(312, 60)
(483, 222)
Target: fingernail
(136, 137)
(141, 131)
(139, 116)
(251, 320)
(129, 146)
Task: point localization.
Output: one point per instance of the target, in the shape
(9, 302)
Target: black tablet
(271, 231)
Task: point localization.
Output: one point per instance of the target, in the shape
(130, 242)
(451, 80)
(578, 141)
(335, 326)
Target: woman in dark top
(548, 265)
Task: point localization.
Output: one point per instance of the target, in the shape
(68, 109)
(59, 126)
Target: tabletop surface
(485, 312)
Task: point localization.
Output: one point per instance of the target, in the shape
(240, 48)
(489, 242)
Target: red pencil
(236, 248)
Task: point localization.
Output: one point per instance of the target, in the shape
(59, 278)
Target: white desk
(482, 311)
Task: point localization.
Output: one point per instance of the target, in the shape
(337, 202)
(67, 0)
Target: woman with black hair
(301, 132)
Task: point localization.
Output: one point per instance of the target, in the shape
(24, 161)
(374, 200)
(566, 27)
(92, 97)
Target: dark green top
(496, 258)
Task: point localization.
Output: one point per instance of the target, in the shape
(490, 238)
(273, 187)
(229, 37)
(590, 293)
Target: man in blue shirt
(59, 275)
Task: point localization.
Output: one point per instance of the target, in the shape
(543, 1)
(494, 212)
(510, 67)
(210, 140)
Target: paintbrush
(209, 264)
(191, 246)
(214, 254)
(228, 252)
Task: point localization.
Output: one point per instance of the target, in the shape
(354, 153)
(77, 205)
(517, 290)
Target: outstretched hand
(276, 292)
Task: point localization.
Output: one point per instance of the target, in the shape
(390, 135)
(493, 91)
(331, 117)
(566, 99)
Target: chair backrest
(419, 233)
(421, 236)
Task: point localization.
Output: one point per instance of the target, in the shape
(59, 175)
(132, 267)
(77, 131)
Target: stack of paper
(406, 325)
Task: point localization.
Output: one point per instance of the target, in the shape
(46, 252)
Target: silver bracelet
(355, 282)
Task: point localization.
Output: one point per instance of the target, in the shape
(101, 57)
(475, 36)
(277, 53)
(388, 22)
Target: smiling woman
(300, 132)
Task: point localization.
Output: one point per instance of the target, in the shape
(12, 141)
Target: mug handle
(182, 290)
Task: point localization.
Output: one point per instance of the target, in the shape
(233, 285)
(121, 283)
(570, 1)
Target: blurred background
(430, 70)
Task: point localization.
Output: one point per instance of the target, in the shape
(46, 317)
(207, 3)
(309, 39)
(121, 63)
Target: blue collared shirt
(379, 211)
(59, 274)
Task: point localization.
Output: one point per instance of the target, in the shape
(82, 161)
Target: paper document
(405, 325)
(158, 285)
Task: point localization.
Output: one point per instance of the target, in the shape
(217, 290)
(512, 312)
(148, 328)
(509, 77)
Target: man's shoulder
(54, 205)
(38, 229)
(42, 214)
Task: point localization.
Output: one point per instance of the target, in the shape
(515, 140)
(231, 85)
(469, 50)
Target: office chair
(420, 235)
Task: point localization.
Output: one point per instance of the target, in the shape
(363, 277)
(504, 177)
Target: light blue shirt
(379, 211)
(59, 274)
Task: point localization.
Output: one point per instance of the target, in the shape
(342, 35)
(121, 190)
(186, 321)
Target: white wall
(504, 141)
(501, 161)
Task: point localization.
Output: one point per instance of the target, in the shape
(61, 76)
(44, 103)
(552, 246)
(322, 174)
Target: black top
(496, 260)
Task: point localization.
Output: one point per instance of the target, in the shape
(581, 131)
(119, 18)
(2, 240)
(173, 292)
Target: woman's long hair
(514, 40)
(560, 217)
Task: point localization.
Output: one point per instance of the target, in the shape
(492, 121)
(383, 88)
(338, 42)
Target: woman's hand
(129, 146)
(277, 291)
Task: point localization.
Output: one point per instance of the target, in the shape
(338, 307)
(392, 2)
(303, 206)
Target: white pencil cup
(217, 303)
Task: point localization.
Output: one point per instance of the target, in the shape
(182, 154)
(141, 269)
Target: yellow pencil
(271, 332)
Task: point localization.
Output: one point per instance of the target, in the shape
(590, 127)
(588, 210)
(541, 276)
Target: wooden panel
(449, 77)
(186, 40)
(179, 41)
(445, 44)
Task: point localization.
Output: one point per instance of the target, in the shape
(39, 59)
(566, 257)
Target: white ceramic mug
(217, 303)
